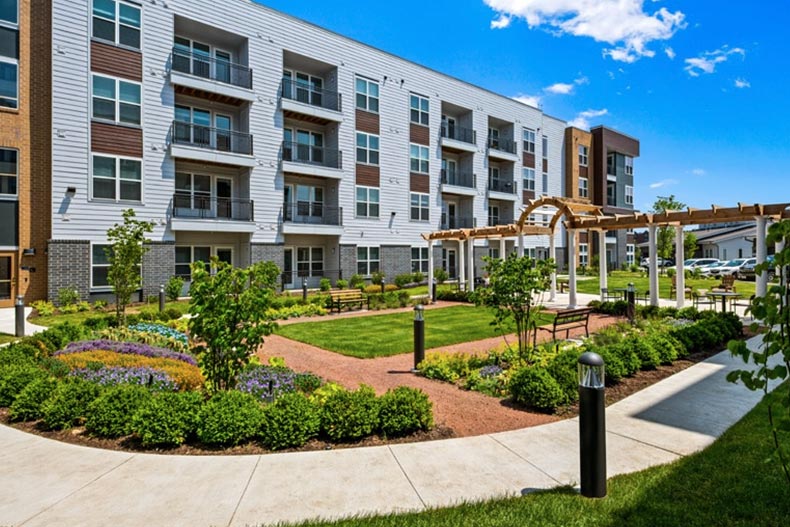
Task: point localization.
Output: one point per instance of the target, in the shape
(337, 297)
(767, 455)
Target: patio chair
(674, 287)
(728, 283)
(701, 298)
(609, 297)
(741, 302)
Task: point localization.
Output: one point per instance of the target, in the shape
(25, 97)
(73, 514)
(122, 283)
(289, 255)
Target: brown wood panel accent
(583, 238)
(368, 122)
(528, 160)
(368, 176)
(527, 194)
(118, 140)
(630, 238)
(297, 116)
(545, 166)
(117, 62)
(419, 183)
(583, 172)
(419, 134)
(222, 99)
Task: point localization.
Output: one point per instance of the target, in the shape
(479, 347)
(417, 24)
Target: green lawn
(5, 338)
(392, 334)
(640, 280)
(726, 485)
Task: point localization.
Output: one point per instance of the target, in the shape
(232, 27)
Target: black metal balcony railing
(201, 65)
(503, 145)
(459, 179)
(498, 220)
(501, 185)
(312, 155)
(188, 206)
(457, 222)
(312, 213)
(211, 138)
(457, 133)
(303, 92)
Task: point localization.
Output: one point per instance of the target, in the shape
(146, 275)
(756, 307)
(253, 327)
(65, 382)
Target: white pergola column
(471, 267)
(762, 252)
(571, 268)
(651, 232)
(604, 277)
(521, 244)
(502, 248)
(680, 275)
(430, 271)
(461, 265)
(553, 256)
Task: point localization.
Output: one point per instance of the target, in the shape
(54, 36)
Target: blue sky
(703, 84)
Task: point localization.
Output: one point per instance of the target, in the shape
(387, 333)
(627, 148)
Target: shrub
(627, 355)
(173, 288)
(402, 280)
(403, 411)
(490, 380)
(307, 382)
(44, 308)
(229, 418)
(349, 416)
(110, 414)
(140, 376)
(440, 275)
(668, 348)
(68, 404)
(18, 353)
(447, 367)
(69, 309)
(341, 284)
(376, 278)
(290, 421)
(615, 368)
(27, 405)
(689, 313)
(534, 386)
(325, 284)
(672, 272)
(266, 383)
(452, 295)
(617, 309)
(357, 281)
(14, 378)
(417, 277)
(167, 418)
(100, 305)
(642, 347)
(67, 296)
(564, 368)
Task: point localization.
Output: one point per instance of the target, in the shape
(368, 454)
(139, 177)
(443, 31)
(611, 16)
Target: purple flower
(491, 370)
(130, 348)
(265, 382)
(113, 376)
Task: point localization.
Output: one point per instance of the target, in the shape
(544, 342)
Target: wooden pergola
(580, 214)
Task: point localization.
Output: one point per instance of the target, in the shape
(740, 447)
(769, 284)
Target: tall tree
(125, 255)
(666, 235)
(690, 244)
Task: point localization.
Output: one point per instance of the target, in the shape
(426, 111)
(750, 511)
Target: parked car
(661, 262)
(693, 263)
(728, 268)
(747, 271)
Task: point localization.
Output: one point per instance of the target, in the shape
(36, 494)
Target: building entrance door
(7, 280)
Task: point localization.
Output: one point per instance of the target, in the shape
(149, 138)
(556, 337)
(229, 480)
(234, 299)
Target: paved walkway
(44, 482)
(8, 322)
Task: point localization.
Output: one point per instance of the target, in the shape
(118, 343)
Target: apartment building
(600, 167)
(24, 154)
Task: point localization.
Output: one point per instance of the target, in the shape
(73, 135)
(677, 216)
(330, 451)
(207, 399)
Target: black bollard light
(382, 285)
(433, 292)
(592, 425)
(19, 316)
(419, 335)
(631, 298)
(161, 298)
(304, 289)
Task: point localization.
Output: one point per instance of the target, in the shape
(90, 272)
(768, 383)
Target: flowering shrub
(127, 348)
(115, 375)
(159, 338)
(186, 376)
(266, 383)
(159, 329)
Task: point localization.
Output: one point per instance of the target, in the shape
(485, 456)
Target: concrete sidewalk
(8, 322)
(44, 482)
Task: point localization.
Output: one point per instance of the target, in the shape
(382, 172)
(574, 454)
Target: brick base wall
(348, 260)
(395, 260)
(158, 266)
(69, 266)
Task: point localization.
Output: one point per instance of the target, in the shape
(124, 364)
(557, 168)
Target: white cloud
(670, 53)
(623, 24)
(663, 183)
(707, 61)
(583, 119)
(699, 171)
(529, 100)
(742, 83)
(560, 88)
(581, 81)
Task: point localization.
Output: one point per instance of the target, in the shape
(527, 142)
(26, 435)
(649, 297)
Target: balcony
(212, 145)
(459, 183)
(310, 160)
(305, 217)
(212, 214)
(459, 139)
(199, 75)
(502, 189)
(504, 149)
(305, 102)
(493, 221)
(456, 222)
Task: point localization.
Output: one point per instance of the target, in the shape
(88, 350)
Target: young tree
(229, 316)
(772, 360)
(125, 255)
(665, 242)
(515, 284)
(689, 244)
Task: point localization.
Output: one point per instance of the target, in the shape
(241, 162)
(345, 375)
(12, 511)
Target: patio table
(724, 295)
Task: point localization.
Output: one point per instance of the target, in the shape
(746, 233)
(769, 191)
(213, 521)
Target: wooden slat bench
(568, 319)
(347, 297)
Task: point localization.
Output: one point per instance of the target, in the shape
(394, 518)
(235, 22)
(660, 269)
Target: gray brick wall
(159, 264)
(262, 252)
(348, 260)
(69, 266)
(395, 260)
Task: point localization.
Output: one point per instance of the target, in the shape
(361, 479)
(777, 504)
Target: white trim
(525, 141)
(420, 207)
(15, 196)
(15, 63)
(117, 24)
(419, 110)
(118, 159)
(367, 96)
(421, 149)
(102, 288)
(368, 260)
(367, 201)
(367, 148)
(117, 101)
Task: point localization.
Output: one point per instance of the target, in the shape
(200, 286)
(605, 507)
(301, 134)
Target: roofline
(428, 68)
(615, 130)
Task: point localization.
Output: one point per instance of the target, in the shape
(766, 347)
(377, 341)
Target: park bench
(347, 297)
(567, 319)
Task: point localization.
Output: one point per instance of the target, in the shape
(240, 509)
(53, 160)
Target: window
(117, 22)
(610, 165)
(9, 11)
(100, 265)
(493, 252)
(8, 172)
(629, 166)
(529, 140)
(9, 55)
(419, 158)
(493, 215)
(193, 191)
(419, 110)
(310, 261)
(367, 95)
(367, 149)
(368, 260)
(420, 206)
(529, 178)
(629, 195)
(117, 178)
(545, 147)
(611, 193)
(545, 184)
(116, 100)
(630, 250)
(367, 202)
(419, 259)
(583, 254)
(186, 256)
(583, 156)
(584, 188)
